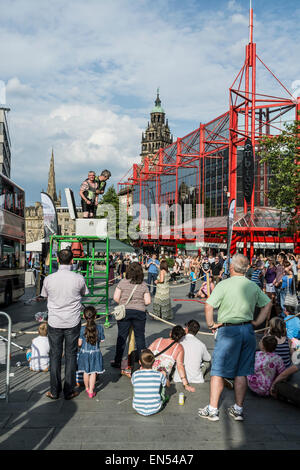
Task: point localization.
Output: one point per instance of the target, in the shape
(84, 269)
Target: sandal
(49, 395)
(126, 372)
(91, 394)
(72, 395)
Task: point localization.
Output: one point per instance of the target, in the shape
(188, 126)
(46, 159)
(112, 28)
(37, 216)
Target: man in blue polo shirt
(153, 267)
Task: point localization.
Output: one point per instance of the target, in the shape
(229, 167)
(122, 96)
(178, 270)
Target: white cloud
(89, 72)
(15, 87)
(237, 18)
(83, 137)
(233, 5)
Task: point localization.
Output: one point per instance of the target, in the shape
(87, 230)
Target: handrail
(6, 394)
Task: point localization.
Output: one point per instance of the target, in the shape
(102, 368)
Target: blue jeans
(151, 278)
(58, 338)
(192, 287)
(282, 295)
(136, 319)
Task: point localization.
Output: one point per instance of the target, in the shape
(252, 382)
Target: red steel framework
(251, 115)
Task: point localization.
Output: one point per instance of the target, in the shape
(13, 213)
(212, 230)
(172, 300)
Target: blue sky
(81, 77)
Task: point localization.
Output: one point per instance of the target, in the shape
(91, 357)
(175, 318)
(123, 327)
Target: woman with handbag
(132, 295)
(170, 352)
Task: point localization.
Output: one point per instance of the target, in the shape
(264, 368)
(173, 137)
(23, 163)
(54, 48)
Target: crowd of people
(245, 295)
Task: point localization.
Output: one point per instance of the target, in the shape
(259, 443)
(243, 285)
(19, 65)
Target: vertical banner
(71, 203)
(248, 171)
(230, 226)
(50, 216)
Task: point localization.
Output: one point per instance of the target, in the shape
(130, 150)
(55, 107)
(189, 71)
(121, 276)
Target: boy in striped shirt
(148, 386)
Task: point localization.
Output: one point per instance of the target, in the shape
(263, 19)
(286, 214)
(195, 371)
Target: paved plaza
(108, 422)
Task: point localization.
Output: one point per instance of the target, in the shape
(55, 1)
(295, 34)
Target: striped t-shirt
(257, 277)
(283, 350)
(147, 384)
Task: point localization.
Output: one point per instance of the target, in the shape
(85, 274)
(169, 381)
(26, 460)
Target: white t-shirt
(40, 353)
(179, 261)
(195, 352)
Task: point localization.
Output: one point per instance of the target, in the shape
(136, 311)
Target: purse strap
(130, 297)
(164, 350)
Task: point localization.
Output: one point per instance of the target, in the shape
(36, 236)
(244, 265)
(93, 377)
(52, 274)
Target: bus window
(10, 254)
(12, 198)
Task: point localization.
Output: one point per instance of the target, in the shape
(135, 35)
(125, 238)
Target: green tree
(281, 154)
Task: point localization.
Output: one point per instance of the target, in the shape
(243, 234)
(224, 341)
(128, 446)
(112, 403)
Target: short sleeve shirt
(236, 299)
(153, 268)
(64, 291)
(137, 302)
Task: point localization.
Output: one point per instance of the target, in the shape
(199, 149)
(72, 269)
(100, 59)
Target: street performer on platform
(90, 190)
(89, 196)
(101, 180)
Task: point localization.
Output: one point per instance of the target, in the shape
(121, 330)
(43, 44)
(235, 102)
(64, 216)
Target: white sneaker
(235, 414)
(207, 413)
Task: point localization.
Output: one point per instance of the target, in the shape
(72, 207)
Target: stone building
(157, 135)
(34, 221)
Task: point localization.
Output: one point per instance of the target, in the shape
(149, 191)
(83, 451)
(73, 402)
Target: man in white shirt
(64, 290)
(196, 356)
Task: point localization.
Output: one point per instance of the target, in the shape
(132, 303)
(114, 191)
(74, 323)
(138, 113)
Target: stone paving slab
(108, 422)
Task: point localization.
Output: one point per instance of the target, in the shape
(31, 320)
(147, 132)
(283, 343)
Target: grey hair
(240, 263)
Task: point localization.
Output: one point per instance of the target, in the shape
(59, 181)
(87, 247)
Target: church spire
(157, 108)
(157, 101)
(51, 189)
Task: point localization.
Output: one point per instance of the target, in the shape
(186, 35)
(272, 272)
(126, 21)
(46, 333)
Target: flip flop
(126, 372)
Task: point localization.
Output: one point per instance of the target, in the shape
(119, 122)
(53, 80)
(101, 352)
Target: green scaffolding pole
(90, 272)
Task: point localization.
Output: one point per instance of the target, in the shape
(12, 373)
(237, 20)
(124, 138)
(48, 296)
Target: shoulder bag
(119, 311)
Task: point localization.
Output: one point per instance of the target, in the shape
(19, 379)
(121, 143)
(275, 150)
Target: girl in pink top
(203, 290)
(268, 366)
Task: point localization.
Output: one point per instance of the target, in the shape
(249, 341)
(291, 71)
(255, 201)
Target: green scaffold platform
(89, 266)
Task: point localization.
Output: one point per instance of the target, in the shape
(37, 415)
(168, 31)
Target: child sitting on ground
(203, 291)
(292, 323)
(148, 386)
(38, 354)
(277, 328)
(268, 366)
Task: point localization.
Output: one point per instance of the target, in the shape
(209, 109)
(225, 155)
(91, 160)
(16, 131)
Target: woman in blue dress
(90, 360)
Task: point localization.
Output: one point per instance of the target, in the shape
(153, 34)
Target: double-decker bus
(12, 241)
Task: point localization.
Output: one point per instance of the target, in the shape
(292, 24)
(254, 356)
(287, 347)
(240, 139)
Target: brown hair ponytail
(91, 332)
